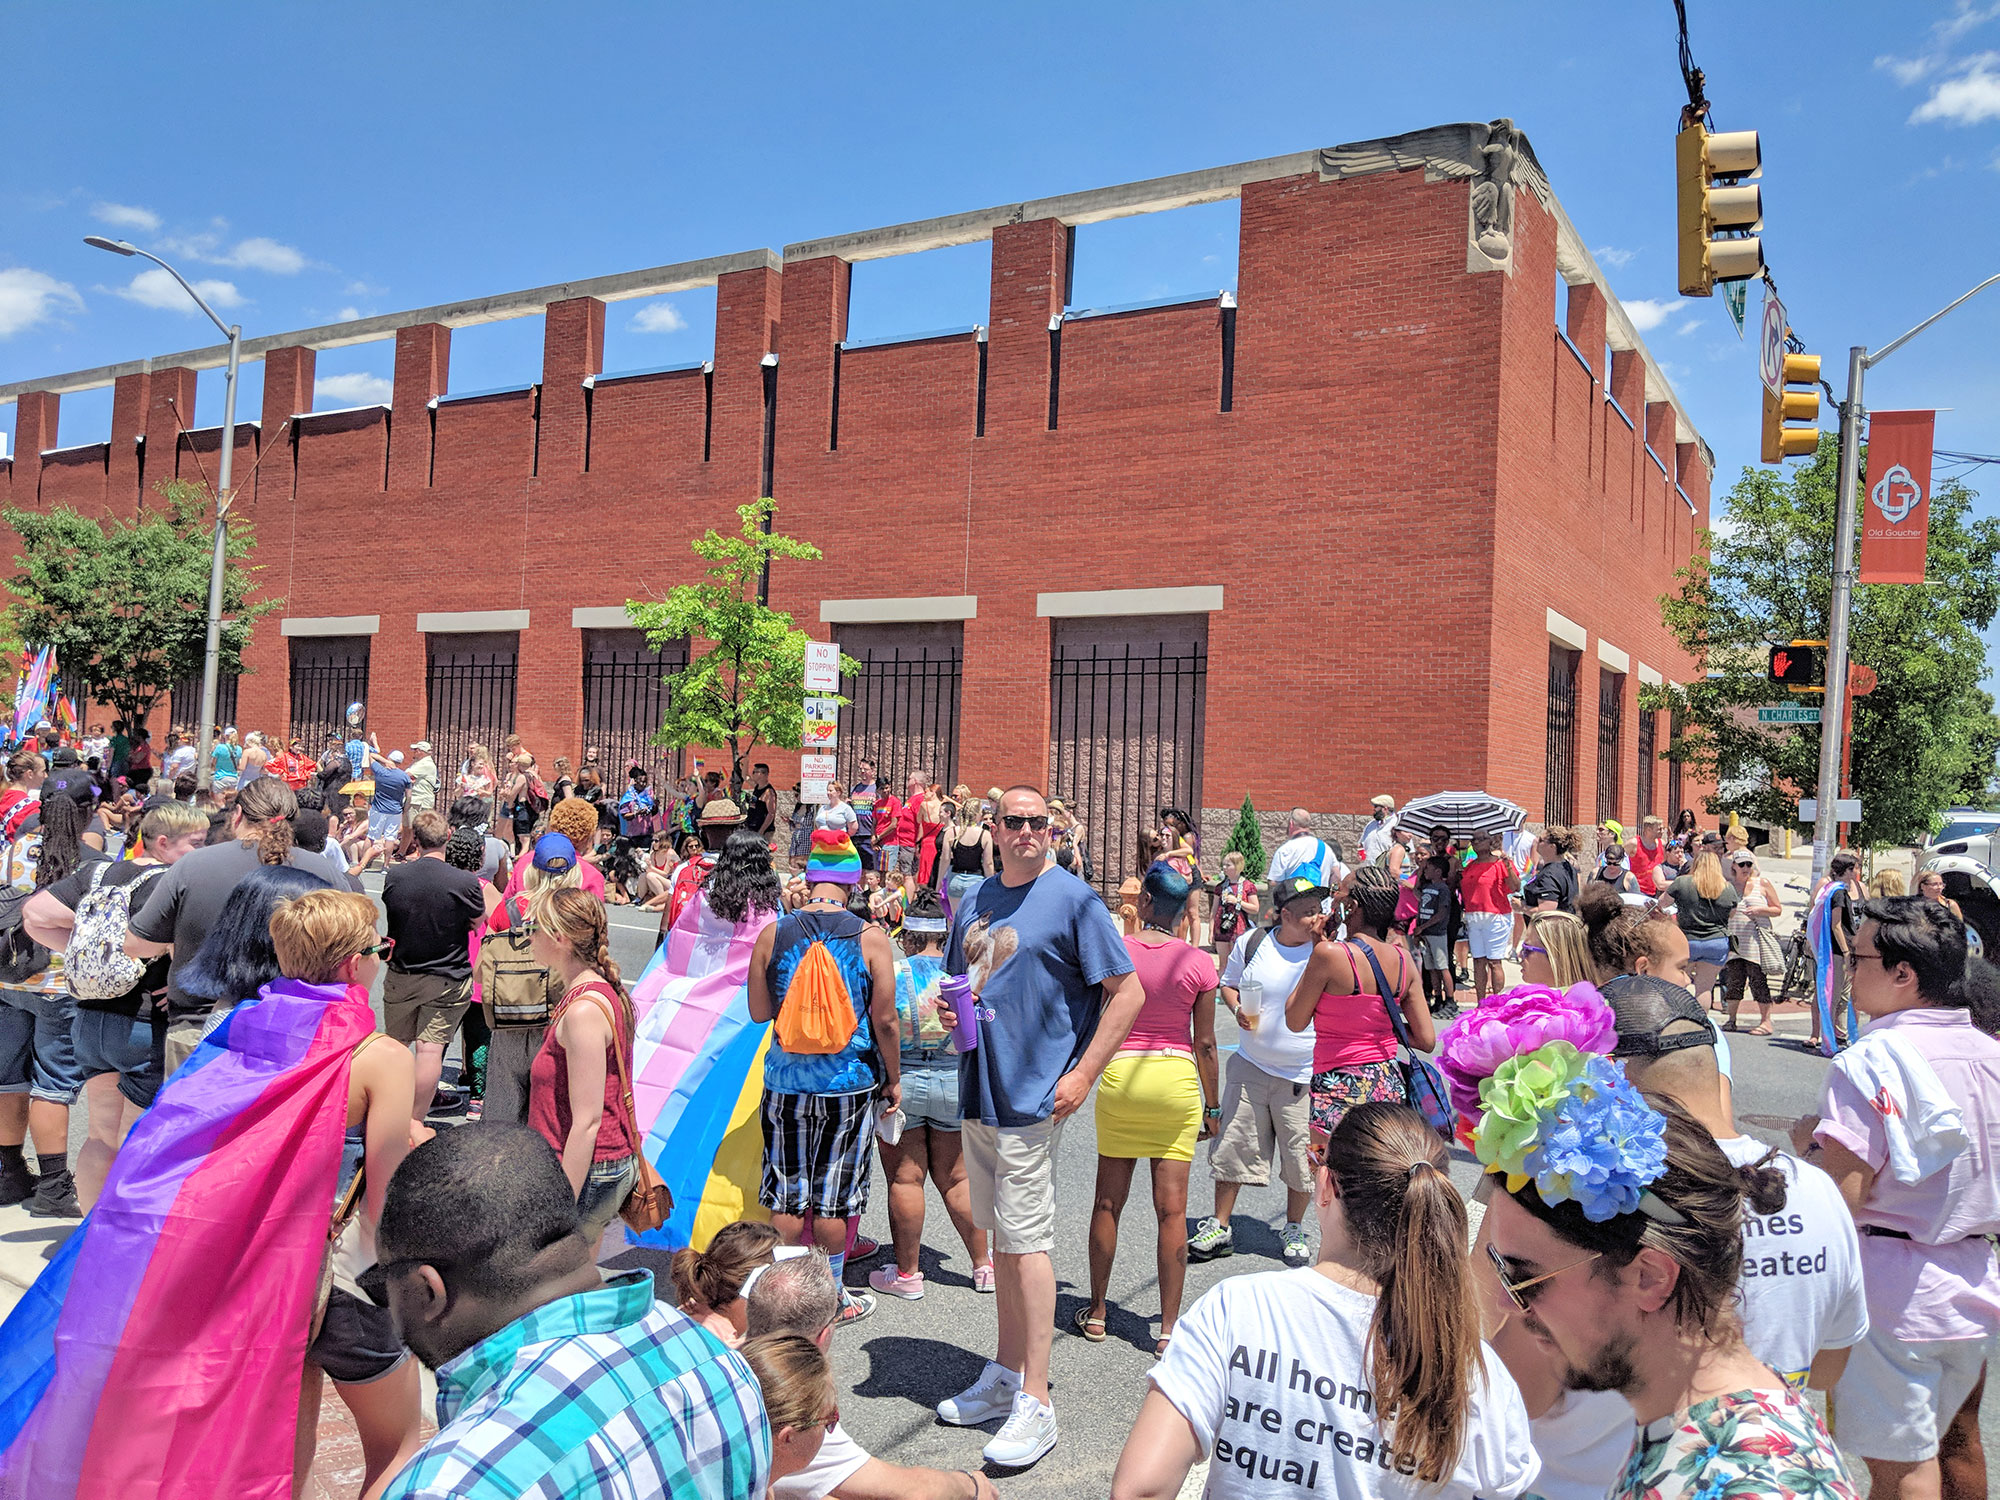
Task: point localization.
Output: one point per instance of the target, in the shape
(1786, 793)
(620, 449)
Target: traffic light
(1710, 197)
(1780, 440)
(1794, 665)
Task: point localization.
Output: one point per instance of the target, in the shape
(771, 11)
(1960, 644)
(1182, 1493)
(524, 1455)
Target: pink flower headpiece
(1515, 1022)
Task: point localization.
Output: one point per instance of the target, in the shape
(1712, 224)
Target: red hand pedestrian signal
(1781, 663)
(1794, 665)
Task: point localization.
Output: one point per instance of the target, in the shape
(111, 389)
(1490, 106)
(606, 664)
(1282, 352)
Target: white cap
(396, 756)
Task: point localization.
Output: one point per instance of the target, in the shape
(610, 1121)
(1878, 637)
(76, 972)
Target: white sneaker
(1028, 1433)
(991, 1395)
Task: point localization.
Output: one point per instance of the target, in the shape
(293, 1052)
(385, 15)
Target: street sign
(1860, 680)
(822, 723)
(1788, 716)
(1771, 345)
(1845, 810)
(822, 667)
(815, 771)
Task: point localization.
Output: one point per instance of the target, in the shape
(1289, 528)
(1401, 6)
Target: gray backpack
(95, 964)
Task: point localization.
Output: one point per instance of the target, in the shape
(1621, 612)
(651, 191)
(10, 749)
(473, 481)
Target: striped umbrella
(1464, 813)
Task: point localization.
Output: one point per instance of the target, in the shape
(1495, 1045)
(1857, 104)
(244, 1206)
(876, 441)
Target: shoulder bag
(1422, 1082)
(651, 1202)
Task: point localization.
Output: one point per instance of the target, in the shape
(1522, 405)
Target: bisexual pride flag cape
(698, 1069)
(1826, 962)
(159, 1355)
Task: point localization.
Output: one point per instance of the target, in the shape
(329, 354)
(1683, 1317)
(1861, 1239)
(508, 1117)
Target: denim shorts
(1708, 951)
(605, 1190)
(37, 1050)
(107, 1042)
(930, 1094)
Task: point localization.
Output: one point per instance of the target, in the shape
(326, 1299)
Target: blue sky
(312, 163)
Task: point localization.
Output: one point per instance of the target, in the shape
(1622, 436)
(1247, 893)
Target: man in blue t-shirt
(1055, 995)
(392, 785)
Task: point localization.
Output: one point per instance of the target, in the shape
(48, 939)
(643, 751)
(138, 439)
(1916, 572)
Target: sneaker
(1296, 1251)
(16, 1183)
(864, 1249)
(891, 1282)
(982, 1277)
(55, 1197)
(854, 1306)
(1027, 1434)
(475, 1109)
(1211, 1240)
(991, 1395)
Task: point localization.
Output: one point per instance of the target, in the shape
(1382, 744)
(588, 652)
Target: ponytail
(269, 806)
(1408, 1220)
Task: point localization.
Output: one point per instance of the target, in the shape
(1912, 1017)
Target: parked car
(1967, 864)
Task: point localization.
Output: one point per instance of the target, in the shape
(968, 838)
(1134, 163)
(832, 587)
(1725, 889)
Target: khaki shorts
(423, 1007)
(1011, 1170)
(182, 1038)
(1262, 1116)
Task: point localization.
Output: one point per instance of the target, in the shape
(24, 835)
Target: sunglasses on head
(1018, 821)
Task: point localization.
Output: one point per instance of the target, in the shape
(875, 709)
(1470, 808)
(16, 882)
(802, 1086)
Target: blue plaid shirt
(607, 1393)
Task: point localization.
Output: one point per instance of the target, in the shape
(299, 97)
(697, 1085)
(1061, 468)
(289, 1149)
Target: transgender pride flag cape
(1819, 935)
(159, 1354)
(698, 1065)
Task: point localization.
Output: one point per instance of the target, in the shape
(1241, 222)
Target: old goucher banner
(1896, 497)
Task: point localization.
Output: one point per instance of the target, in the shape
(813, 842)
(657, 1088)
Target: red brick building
(1391, 517)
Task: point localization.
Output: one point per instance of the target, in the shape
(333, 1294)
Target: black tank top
(966, 859)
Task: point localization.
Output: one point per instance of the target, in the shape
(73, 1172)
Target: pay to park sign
(1896, 497)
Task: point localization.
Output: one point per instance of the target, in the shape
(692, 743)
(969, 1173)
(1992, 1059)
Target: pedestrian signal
(1718, 210)
(1794, 665)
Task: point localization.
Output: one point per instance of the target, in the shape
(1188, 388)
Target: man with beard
(553, 1377)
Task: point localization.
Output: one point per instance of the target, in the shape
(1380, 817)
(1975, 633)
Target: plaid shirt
(607, 1393)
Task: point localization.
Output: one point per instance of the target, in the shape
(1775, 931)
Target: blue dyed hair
(236, 959)
(1167, 889)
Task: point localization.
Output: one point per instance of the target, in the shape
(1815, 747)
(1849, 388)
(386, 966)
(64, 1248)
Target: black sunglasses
(1018, 821)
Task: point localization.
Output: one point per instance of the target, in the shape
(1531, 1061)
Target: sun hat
(554, 854)
(721, 810)
(832, 860)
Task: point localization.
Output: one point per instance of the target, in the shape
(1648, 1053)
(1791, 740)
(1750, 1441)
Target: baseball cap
(1654, 1016)
(1743, 857)
(396, 756)
(554, 854)
(423, 745)
(1297, 888)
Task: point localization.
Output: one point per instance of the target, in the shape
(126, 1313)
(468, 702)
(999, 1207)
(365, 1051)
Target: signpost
(1845, 809)
(815, 771)
(822, 723)
(1771, 345)
(1788, 716)
(822, 666)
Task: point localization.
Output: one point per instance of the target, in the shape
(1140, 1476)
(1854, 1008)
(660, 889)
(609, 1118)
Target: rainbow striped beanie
(832, 859)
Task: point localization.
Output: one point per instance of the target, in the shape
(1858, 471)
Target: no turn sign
(1771, 345)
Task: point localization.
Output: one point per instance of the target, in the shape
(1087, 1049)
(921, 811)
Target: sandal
(1758, 1031)
(1160, 1345)
(1083, 1323)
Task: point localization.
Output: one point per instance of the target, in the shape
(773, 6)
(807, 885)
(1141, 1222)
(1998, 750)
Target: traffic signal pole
(1838, 696)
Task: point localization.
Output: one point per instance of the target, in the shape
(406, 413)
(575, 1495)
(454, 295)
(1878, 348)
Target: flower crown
(1515, 1021)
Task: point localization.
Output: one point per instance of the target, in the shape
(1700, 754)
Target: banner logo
(1896, 494)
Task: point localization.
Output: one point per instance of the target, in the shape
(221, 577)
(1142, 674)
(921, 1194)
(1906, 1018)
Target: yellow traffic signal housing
(1709, 198)
(1782, 441)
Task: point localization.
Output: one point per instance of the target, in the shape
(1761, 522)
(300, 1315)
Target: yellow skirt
(1149, 1107)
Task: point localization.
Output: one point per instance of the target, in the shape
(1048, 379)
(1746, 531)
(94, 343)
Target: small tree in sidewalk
(1247, 840)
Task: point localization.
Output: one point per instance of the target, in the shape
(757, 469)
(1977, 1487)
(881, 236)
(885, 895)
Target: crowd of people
(1643, 1301)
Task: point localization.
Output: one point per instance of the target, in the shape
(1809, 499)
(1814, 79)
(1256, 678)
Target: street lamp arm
(1877, 356)
(199, 302)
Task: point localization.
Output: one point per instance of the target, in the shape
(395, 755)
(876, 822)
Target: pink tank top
(1350, 1031)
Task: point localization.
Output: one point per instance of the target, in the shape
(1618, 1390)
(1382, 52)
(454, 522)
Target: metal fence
(469, 688)
(624, 702)
(328, 673)
(1559, 784)
(1675, 791)
(1610, 726)
(184, 707)
(902, 708)
(1648, 760)
(1125, 737)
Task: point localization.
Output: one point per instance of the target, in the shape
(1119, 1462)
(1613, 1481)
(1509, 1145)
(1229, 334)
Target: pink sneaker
(891, 1282)
(982, 1278)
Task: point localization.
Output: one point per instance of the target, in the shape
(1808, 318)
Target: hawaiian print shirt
(1763, 1443)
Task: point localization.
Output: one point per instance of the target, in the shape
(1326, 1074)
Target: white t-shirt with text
(1271, 1372)
(1271, 1044)
(1801, 1268)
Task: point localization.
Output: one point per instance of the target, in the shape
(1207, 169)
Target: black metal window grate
(469, 689)
(1648, 760)
(328, 673)
(902, 710)
(1610, 727)
(1559, 785)
(185, 704)
(624, 701)
(1126, 724)
(1676, 793)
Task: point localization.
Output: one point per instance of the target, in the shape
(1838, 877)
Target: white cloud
(1967, 98)
(155, 288)
(1613, 257)
(126, 216)
(1964, 18)
(1907, 70)
(660, 317)
(347, 315)
(261, 254)
(1649, 313)
(27, 297)
(363, 289)
(1692, 325)
(353, 390)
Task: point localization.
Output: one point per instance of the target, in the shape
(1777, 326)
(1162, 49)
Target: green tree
(1247, 840)
(125, 603)
(747, 688)
(1923, 739)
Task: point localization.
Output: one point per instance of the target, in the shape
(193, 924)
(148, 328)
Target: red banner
(1896, 497)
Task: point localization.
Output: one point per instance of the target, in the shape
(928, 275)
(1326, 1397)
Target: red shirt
(548, 1084)
(1645, 864)
(1485, 884)
(889, 823)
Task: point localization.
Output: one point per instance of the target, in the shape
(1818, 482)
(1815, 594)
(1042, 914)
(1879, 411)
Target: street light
(1858, 361)
(212, 654)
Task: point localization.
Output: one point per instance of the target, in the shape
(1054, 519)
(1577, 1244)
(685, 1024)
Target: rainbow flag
(698, 1066)
(174, 1371)
(31, 692)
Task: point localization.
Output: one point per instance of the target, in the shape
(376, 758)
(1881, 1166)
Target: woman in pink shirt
(1157, 1097)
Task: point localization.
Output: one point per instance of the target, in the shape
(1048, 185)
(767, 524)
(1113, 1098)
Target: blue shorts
(110, 1043)
(37, 1051)
(930, 1095)
(605, 1188)
(1708, 951)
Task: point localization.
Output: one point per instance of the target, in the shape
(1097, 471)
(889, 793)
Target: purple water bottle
(955, 994)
